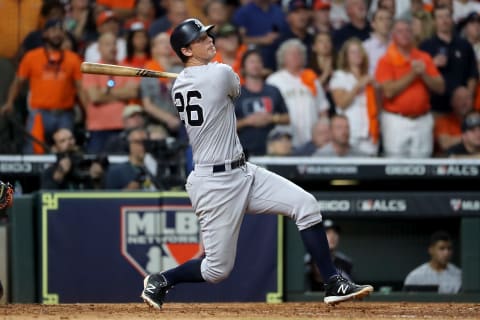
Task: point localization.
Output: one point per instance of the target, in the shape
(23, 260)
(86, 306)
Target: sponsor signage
(166, 236)
(415, 204)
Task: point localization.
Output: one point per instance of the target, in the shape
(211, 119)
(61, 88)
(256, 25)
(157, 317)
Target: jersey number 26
(194, 111)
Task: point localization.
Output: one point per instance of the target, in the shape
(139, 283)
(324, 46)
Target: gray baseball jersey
(203, 96)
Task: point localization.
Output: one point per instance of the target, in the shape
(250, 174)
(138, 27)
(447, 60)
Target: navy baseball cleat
(339, 289)
(155, 287)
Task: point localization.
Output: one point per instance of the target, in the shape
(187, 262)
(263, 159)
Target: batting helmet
(187, 32)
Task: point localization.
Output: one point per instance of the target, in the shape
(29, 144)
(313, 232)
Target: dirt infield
(348, 310)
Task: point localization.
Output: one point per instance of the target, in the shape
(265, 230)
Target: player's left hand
(6, 195)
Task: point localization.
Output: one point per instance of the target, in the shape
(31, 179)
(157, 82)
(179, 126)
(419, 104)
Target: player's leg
(219, 202)
(272, 193)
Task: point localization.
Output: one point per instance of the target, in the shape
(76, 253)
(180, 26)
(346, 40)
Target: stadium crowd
(319, 78)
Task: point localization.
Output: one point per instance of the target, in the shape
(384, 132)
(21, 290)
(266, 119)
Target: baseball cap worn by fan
(106, 16)
(226, 30)
(131, 110)
(471, 121)
(278, 133)
(294, 5)
(53, 23)
(321, 5)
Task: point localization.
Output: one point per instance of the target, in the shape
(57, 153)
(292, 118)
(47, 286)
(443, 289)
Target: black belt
(234, 165)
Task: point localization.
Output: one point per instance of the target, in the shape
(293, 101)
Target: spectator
(279, 142)
(339, 145)
(341, 261)
(216, 13)
(448, 127)
(155, 93)
(144, 13)
(422, 26)
(79, 21)
(377, 44)
(298, 18)
(322, 60)
(470, 28)
(132, 175)
(50, 11)
(108, 96)
(301, 90)
(320, 137)
(107, 22)
(259, 108)
(321, 17)
(133, 117)
(259, 23)
(406, 75)
(138, 46)
(469, 147)
(388, 5)
(338, 14)
(229, 47)
(72, 170)
(438, 272)
(358, 26)
(54, 80)
(453, 56)
(354, 94)
(176, 13)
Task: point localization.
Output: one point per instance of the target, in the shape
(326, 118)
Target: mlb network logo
(154, 239)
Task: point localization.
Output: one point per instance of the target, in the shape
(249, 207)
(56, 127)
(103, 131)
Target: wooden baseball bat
(114, 70)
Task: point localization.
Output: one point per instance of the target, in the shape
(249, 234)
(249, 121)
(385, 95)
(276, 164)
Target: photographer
(132, 175)
(73, 170)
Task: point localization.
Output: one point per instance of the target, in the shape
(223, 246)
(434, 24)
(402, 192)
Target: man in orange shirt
(448, 127)
(406, 75)
(107, 97)
(55, 80)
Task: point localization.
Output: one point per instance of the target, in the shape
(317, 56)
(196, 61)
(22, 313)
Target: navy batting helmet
(187, 32)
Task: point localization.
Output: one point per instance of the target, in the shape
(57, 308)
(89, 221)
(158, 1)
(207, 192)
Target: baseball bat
(115, 70)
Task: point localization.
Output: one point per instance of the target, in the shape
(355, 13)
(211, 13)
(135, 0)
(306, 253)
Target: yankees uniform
(223, 186)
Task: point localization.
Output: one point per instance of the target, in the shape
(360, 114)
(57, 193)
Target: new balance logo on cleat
(155, 288)
(150, 288)
(339, 289)
(343, 288)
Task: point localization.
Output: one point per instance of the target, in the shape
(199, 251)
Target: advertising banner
(98, 247)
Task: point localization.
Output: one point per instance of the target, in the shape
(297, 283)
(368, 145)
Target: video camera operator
(133, 174)
(73, 170)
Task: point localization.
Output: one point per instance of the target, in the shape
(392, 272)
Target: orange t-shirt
(117, 4)
(415, 99)
(52, 85)
(448, 124)
(104, 116)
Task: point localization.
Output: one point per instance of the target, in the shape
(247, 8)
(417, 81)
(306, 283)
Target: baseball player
(223, 186)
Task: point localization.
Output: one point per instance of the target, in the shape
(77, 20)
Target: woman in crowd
(323, 60)
(138, 46)
(354, 95)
